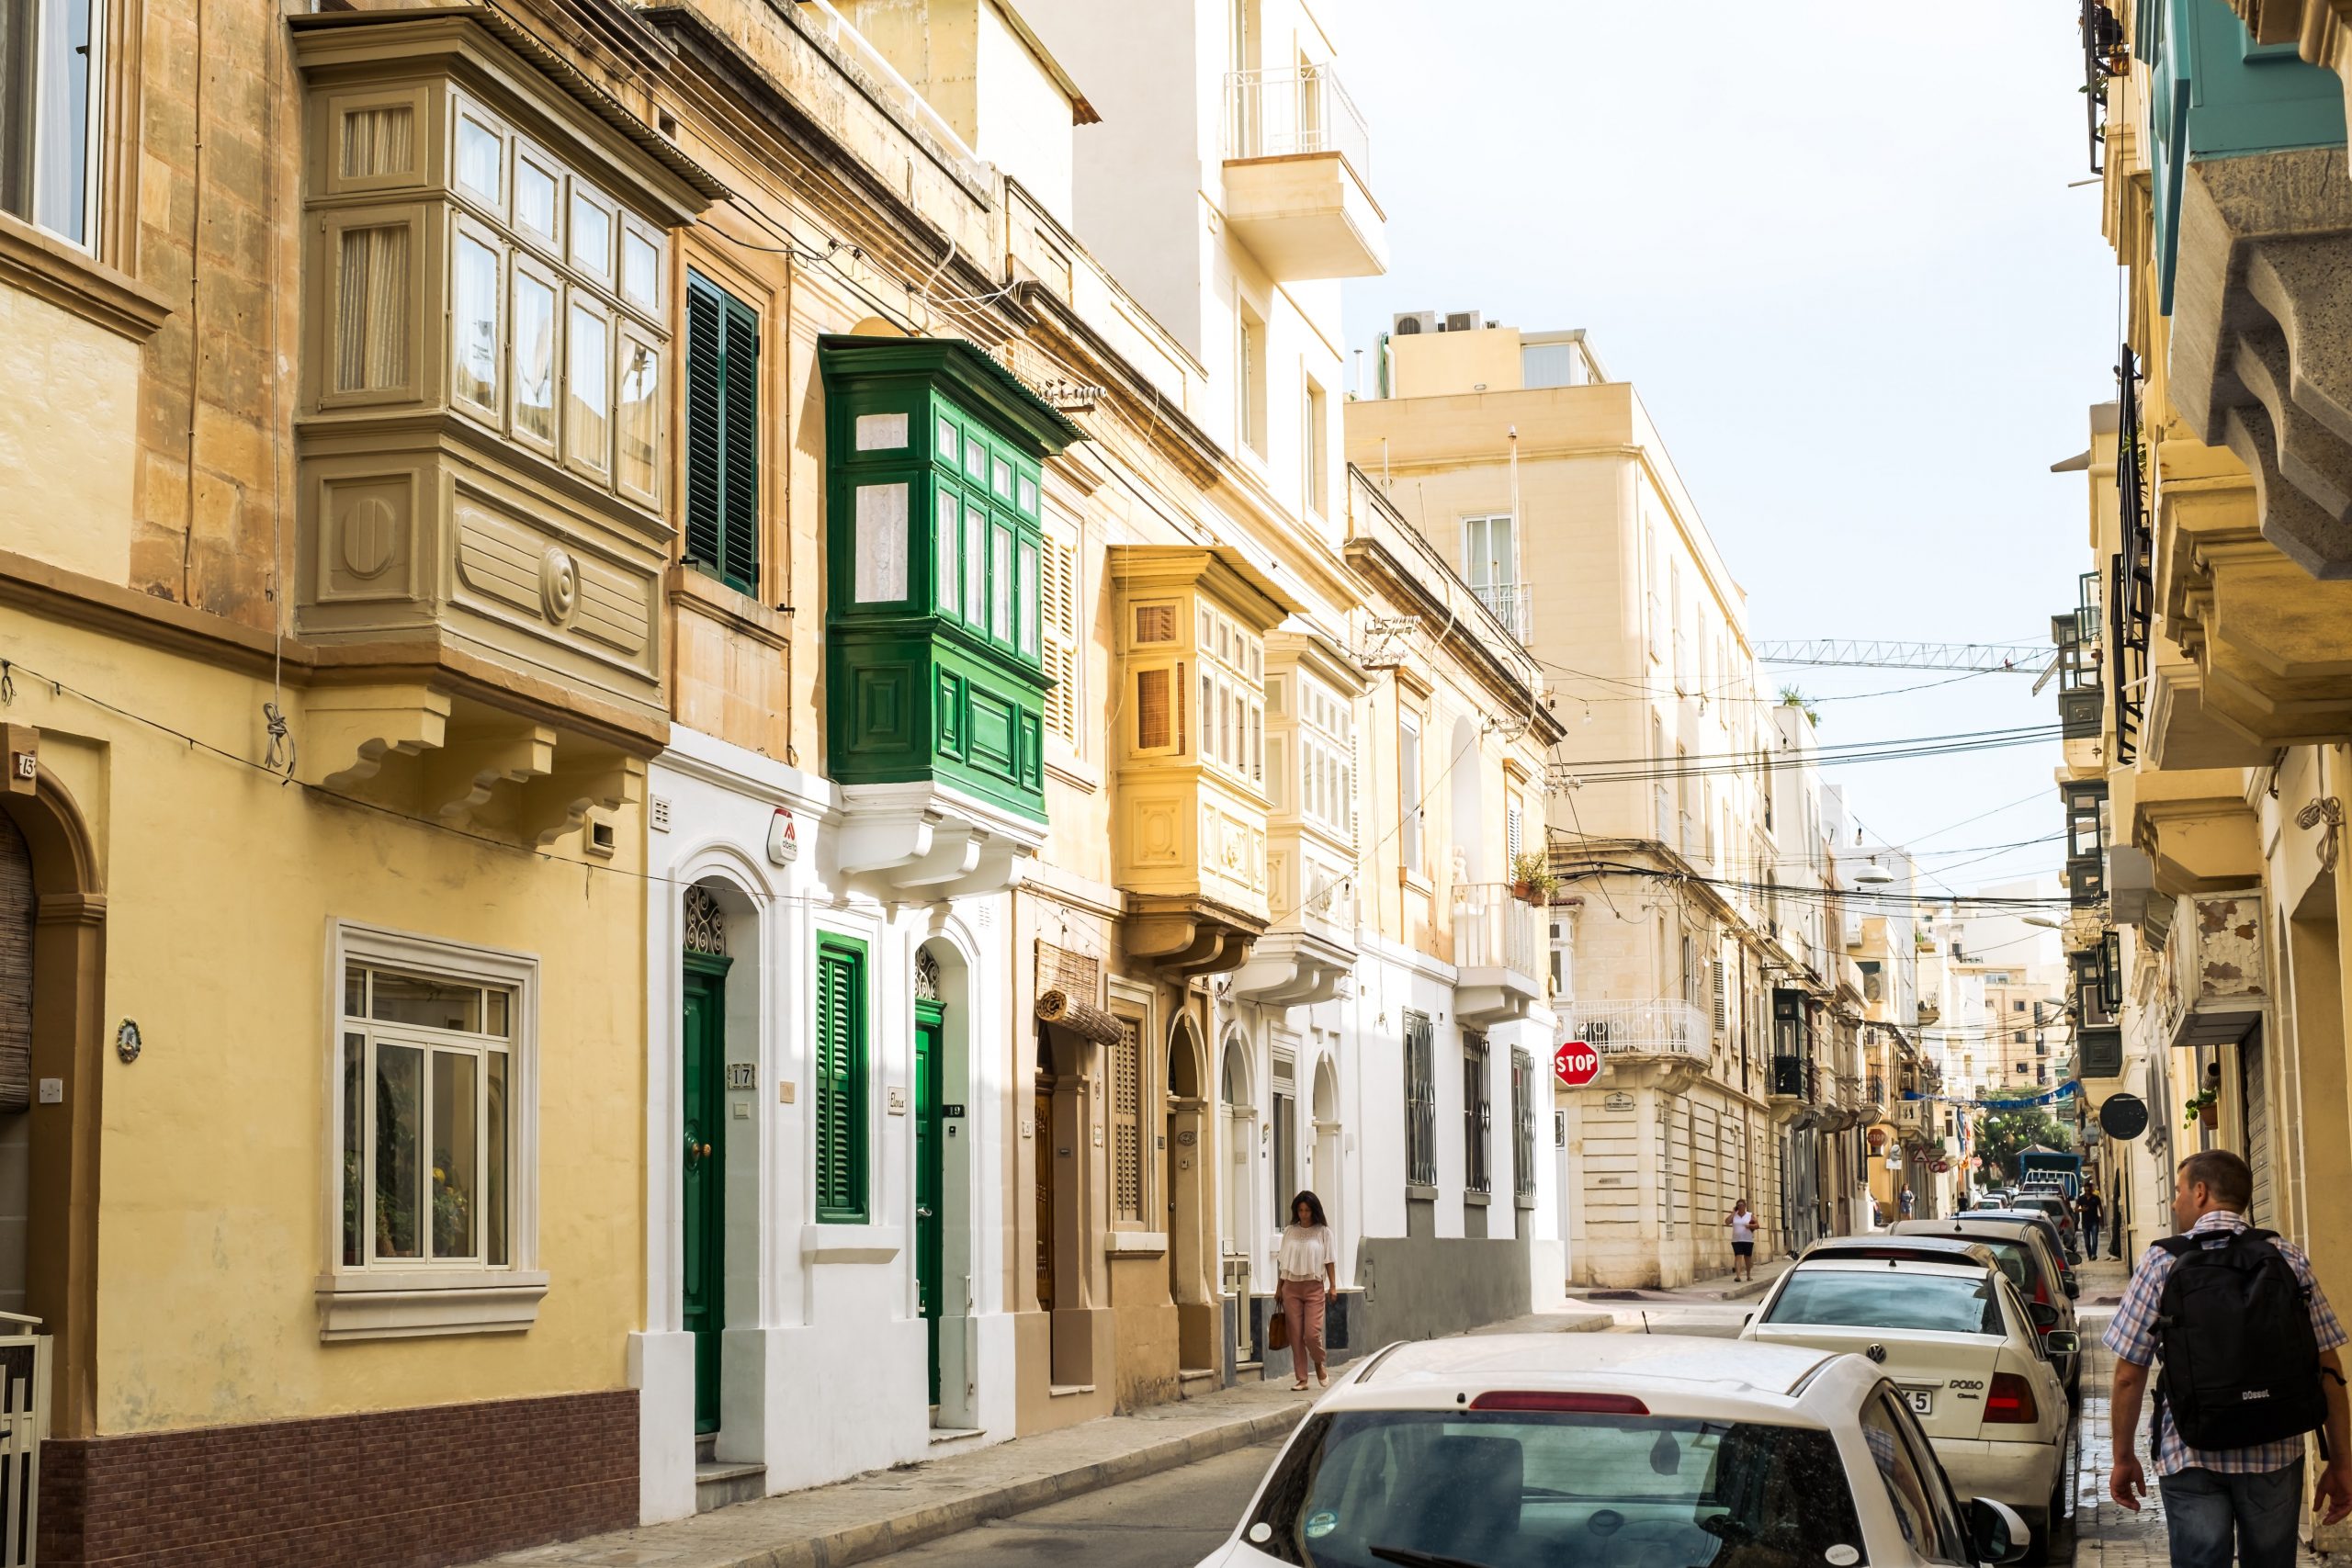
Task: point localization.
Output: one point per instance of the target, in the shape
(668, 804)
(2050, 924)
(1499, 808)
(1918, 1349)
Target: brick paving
(2107, 1535)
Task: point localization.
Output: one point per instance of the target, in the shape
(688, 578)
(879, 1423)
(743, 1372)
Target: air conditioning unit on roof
(1412, 324)
(1465, 321)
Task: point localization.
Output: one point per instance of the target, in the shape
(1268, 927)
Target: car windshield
(1515, 1489)
(1888, 1298)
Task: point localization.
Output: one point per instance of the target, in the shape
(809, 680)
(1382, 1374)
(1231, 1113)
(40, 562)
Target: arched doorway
(1323, 1169)
(1190, 1286)
(1237, 1229)
(704, 961)
(55, 925)
(946, 1179)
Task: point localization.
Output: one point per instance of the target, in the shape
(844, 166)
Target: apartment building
(1517, 457)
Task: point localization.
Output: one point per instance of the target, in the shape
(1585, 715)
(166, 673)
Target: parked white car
(1943, 1322)
(1612, 1450)
(2034, 1265)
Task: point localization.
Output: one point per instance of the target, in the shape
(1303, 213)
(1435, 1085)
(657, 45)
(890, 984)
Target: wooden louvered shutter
(840, 1082)
(1126, 1123)
(741, 521)
(1060, 594)
(705, 414)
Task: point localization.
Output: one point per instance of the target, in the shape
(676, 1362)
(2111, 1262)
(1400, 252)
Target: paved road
(1170, 1520)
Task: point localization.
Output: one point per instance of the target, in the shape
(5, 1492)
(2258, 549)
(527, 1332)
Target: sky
(1843, 267)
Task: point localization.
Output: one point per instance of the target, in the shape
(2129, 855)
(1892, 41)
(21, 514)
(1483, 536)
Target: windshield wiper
(1412, 1559)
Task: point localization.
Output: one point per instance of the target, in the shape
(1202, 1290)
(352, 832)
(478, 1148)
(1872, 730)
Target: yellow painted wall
(222, 885)
(68, 438)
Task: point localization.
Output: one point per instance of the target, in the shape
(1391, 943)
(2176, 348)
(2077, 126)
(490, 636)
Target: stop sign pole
(1576, 1063)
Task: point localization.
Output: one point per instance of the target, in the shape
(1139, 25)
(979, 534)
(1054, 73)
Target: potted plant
(1531, 878)
(2203, 1110)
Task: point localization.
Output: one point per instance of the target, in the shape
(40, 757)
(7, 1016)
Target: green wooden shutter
(741, 523)
(705, 443)
(840, 1082)
(722, 435)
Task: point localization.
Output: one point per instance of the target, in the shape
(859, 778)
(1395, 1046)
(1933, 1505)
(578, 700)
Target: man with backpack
(2247, 1344)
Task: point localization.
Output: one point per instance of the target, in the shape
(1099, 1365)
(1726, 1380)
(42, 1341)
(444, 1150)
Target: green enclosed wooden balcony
(935, 685)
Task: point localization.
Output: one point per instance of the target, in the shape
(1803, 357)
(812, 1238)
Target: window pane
(495, 1112)
(354, 991)
(456, 1132)
(592, 235)
(640, 417)
(400, 1108)
(1027, 590)
(976, 564)
(412, 999)
(533, 357)
(61, 137)
(640, 268)
(586, 368)
(494, 1021)
(533, 197)
(355, 1149)
(1000, 586)
(947, 590)
(478, 151)
(371, 317)
(1003, 479)
(1151, 710)
(473, 323)
(976, 458)
(948, 445)
(881, 544)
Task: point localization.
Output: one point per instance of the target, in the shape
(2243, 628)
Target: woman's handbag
(1278, 1332)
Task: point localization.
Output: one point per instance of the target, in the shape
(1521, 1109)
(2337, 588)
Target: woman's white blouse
(1305, 1249)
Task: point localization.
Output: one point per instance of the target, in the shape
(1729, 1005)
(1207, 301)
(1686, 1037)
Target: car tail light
(2010, 1399)
(2042, 1291)
(1575, 1403)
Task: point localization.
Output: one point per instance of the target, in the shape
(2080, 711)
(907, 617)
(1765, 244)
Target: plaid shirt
(2132, 1335)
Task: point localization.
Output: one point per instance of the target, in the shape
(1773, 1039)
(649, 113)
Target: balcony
(1795, 1077)
(2253, 220)
(482, 534)
(935, 680)
(1189, 830)
(2081, 699)
(2213, 987)
(1661, 1028)
(1309, 947)
(1500, 957)
(1512, 605)
(1411, 572)
(1297, 160)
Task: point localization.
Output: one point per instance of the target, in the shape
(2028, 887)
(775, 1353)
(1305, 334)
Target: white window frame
(43, 86)
(391, 1302)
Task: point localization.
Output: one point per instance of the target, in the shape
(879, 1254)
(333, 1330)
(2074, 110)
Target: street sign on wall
(1576, 1063)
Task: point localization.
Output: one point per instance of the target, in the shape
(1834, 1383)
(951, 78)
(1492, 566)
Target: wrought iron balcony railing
(1280, 111)
(2131, 598)
(1511, 604)
(2103, 57)
(1654, 1027)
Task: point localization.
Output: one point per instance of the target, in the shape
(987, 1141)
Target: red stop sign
(1576, 1063)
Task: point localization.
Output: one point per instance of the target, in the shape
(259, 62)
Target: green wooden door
(704, 1252)
(930, 1162)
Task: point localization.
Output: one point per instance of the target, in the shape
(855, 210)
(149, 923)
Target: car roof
(1708, 1367)
(1904, 1246)
(2007, 1228)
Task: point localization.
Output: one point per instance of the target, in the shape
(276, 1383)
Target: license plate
(1922, 1400)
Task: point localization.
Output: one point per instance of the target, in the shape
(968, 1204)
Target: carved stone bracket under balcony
(924, 841)
(2262, 338)
(1188, 936)
(1294, 968)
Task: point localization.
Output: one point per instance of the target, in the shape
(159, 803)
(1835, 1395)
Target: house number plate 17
(743, 1074)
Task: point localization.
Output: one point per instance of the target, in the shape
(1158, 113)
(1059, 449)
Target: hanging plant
(2204, 1108)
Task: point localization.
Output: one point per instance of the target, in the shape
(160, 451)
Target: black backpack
(2241, 1363)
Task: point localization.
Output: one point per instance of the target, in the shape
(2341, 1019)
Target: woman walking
(1308, 1260)
(1742, 1221)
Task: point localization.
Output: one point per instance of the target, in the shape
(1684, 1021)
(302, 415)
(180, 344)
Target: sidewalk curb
(879, 1538)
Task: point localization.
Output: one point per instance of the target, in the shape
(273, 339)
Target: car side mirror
(2044, 1315)
(2062, 1342)
(2000, 1535)
(2073, 1286)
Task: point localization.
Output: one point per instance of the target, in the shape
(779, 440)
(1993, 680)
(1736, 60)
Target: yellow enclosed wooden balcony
(1189, 824)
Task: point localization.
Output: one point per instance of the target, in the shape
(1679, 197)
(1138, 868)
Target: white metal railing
(1511, 604)
(1655, 1028)
(1495, 930)
(24, 1423)
(1275, 112)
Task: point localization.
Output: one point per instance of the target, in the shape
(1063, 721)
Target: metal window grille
(1477, 1114)
(705, 923)
(1420, 1101)
(2132, 600)
(1523, 1123)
